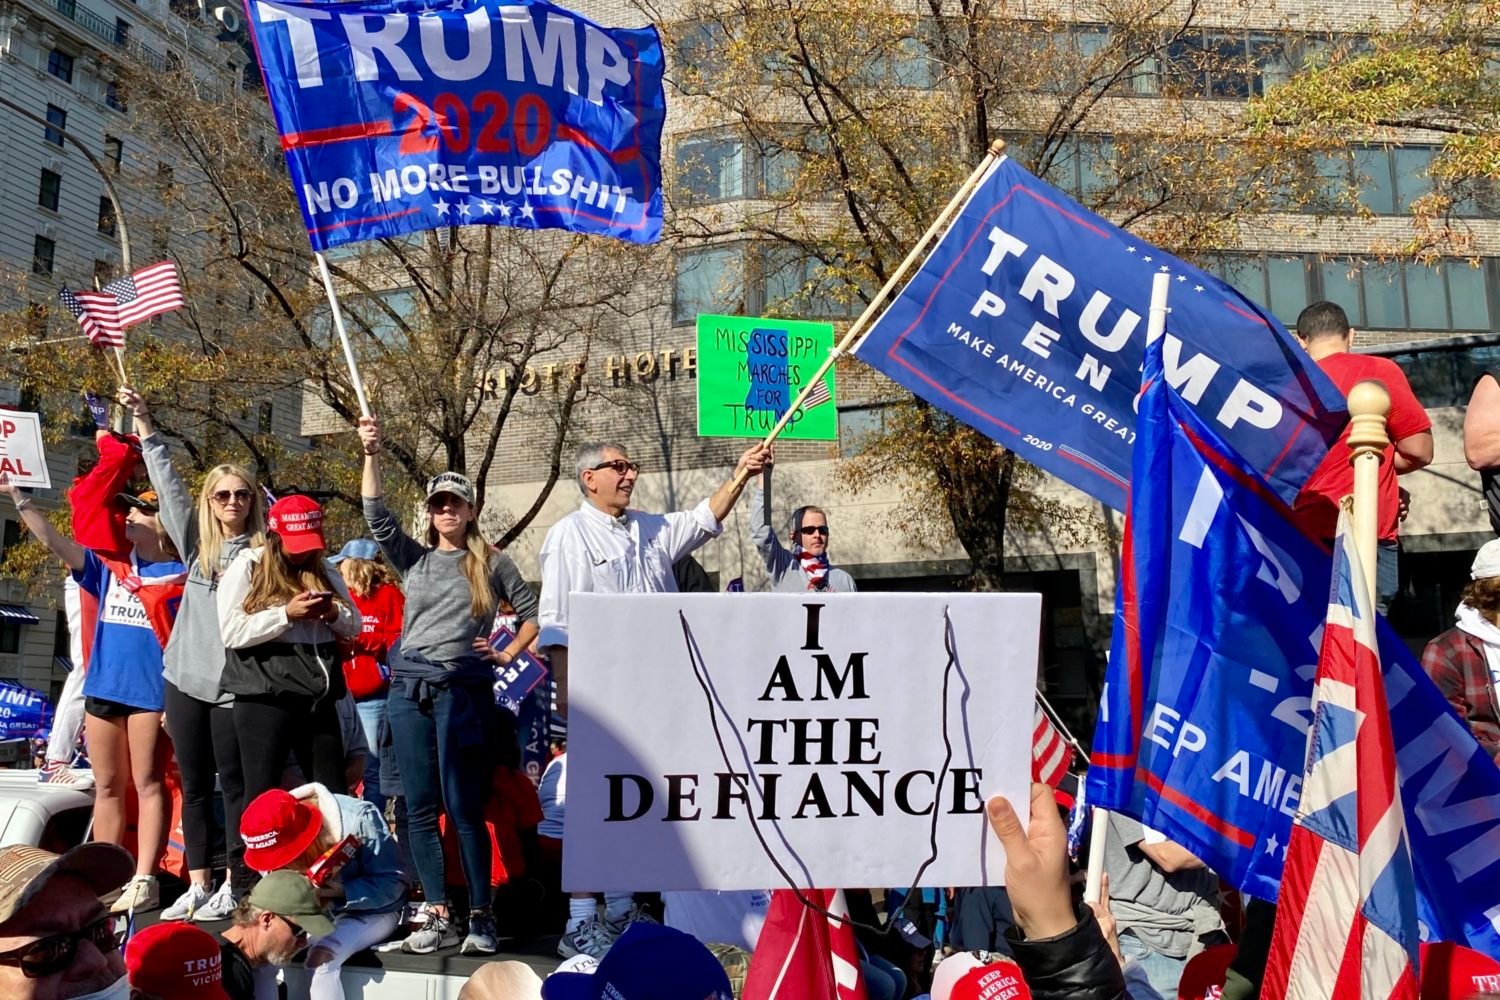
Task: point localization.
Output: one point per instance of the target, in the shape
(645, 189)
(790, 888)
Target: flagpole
(338, 324)
(1369, 402)
(1156, 326)
(858, 328)
(120, 364)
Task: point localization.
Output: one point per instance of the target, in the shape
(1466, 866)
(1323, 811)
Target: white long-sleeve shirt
(241, 630)
(590, 551)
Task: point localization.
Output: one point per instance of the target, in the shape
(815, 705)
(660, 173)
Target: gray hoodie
(194, 657)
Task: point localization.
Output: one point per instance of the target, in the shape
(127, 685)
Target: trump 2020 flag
(1028, 322)
(1202, 729)
(403, 115)
(1347, 922)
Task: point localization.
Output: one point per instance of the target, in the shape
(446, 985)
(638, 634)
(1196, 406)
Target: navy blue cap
(647, 962)
(357, 548)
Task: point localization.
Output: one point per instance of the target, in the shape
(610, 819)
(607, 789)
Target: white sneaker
(589, 938)
(61, 774)
(140, 895)
(187, 904)
(220, 905)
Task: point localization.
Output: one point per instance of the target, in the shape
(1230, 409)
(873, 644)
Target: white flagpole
(338, 325)
(1156, 326)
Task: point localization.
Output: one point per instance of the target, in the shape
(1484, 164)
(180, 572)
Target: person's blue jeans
(371, 711)
(1163, 971)
(1387, 575)
(441, 747)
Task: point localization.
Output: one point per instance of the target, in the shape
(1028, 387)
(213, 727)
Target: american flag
(818, 396)
(90, 310)
(1346, 926)
(1051, 753)
(135, 298)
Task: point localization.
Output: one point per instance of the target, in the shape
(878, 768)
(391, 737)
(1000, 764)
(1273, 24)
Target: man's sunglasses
(620, 466)
(50, 955)
(222, 497)
(815, 529)
(298, 932)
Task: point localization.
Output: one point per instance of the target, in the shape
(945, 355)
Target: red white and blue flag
(1346, 927)
(805, 953)
(135, 298)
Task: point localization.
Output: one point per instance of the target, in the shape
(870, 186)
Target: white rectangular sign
(21, 454)
(709, 733)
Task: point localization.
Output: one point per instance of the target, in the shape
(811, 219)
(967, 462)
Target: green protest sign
(750, 370)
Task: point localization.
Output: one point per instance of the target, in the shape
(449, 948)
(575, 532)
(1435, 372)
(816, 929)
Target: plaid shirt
(1455, 662)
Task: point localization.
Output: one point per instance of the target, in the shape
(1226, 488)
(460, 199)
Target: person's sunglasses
(297, 930)
(222, 497)
(619, 465)
(50, 955)
(815, 529)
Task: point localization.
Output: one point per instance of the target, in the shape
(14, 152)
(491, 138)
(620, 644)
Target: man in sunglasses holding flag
(607, 547)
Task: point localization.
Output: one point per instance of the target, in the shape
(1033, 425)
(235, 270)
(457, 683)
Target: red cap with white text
(298, 520)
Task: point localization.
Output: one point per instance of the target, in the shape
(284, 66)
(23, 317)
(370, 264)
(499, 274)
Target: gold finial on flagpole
(1369, 403)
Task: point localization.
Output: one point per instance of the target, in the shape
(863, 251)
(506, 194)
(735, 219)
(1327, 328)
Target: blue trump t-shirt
(125, 665)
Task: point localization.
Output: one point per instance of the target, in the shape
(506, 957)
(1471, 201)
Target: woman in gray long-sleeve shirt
(441, 704)
(228, 515)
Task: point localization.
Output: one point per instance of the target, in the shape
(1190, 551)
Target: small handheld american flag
(818, 396)
(135, 298)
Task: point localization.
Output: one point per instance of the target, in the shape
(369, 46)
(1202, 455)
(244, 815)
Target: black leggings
(273, 728)
(205, 742)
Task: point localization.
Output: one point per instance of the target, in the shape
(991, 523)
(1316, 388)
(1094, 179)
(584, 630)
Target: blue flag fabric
(403, 115)
(24, 713)
(1202, 730)
(1028, 322)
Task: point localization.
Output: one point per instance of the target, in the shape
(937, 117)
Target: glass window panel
(58, 117)
(1466, 292)
(857, 426)
(711, 168)
(1333, 171)
(1248, 274)
(1341, 286)
(1412, 181)
(1185, 61)
(708, 281)
(1228, 69)
(1426, 302)
(1273, 62)
(1372, 177)
(1096, 171)
(1384, 305)
(1288, 282)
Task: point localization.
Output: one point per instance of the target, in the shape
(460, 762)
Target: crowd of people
(342, 707)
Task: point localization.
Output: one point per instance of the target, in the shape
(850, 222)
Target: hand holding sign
(1036, 864)
(9, 488)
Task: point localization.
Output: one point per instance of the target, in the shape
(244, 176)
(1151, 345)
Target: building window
(60, 65)
(163, 178)
(50, 192)
(57, 120)
(103, 271)
(122, 31)
(114, 151)
(858, 426)
(710, 168)
(708, 281)
(11, 536)
(43, 252)
(1275, 283)
(107, 224)
(263, 417)
(1445, 376)
(798, 284)
(10, 637)
(1394, 295)
(114, 96)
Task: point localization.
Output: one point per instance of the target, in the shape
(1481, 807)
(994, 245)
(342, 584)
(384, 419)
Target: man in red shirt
(1323, 328)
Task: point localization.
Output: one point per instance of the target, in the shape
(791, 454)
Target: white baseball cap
(1486, 561)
